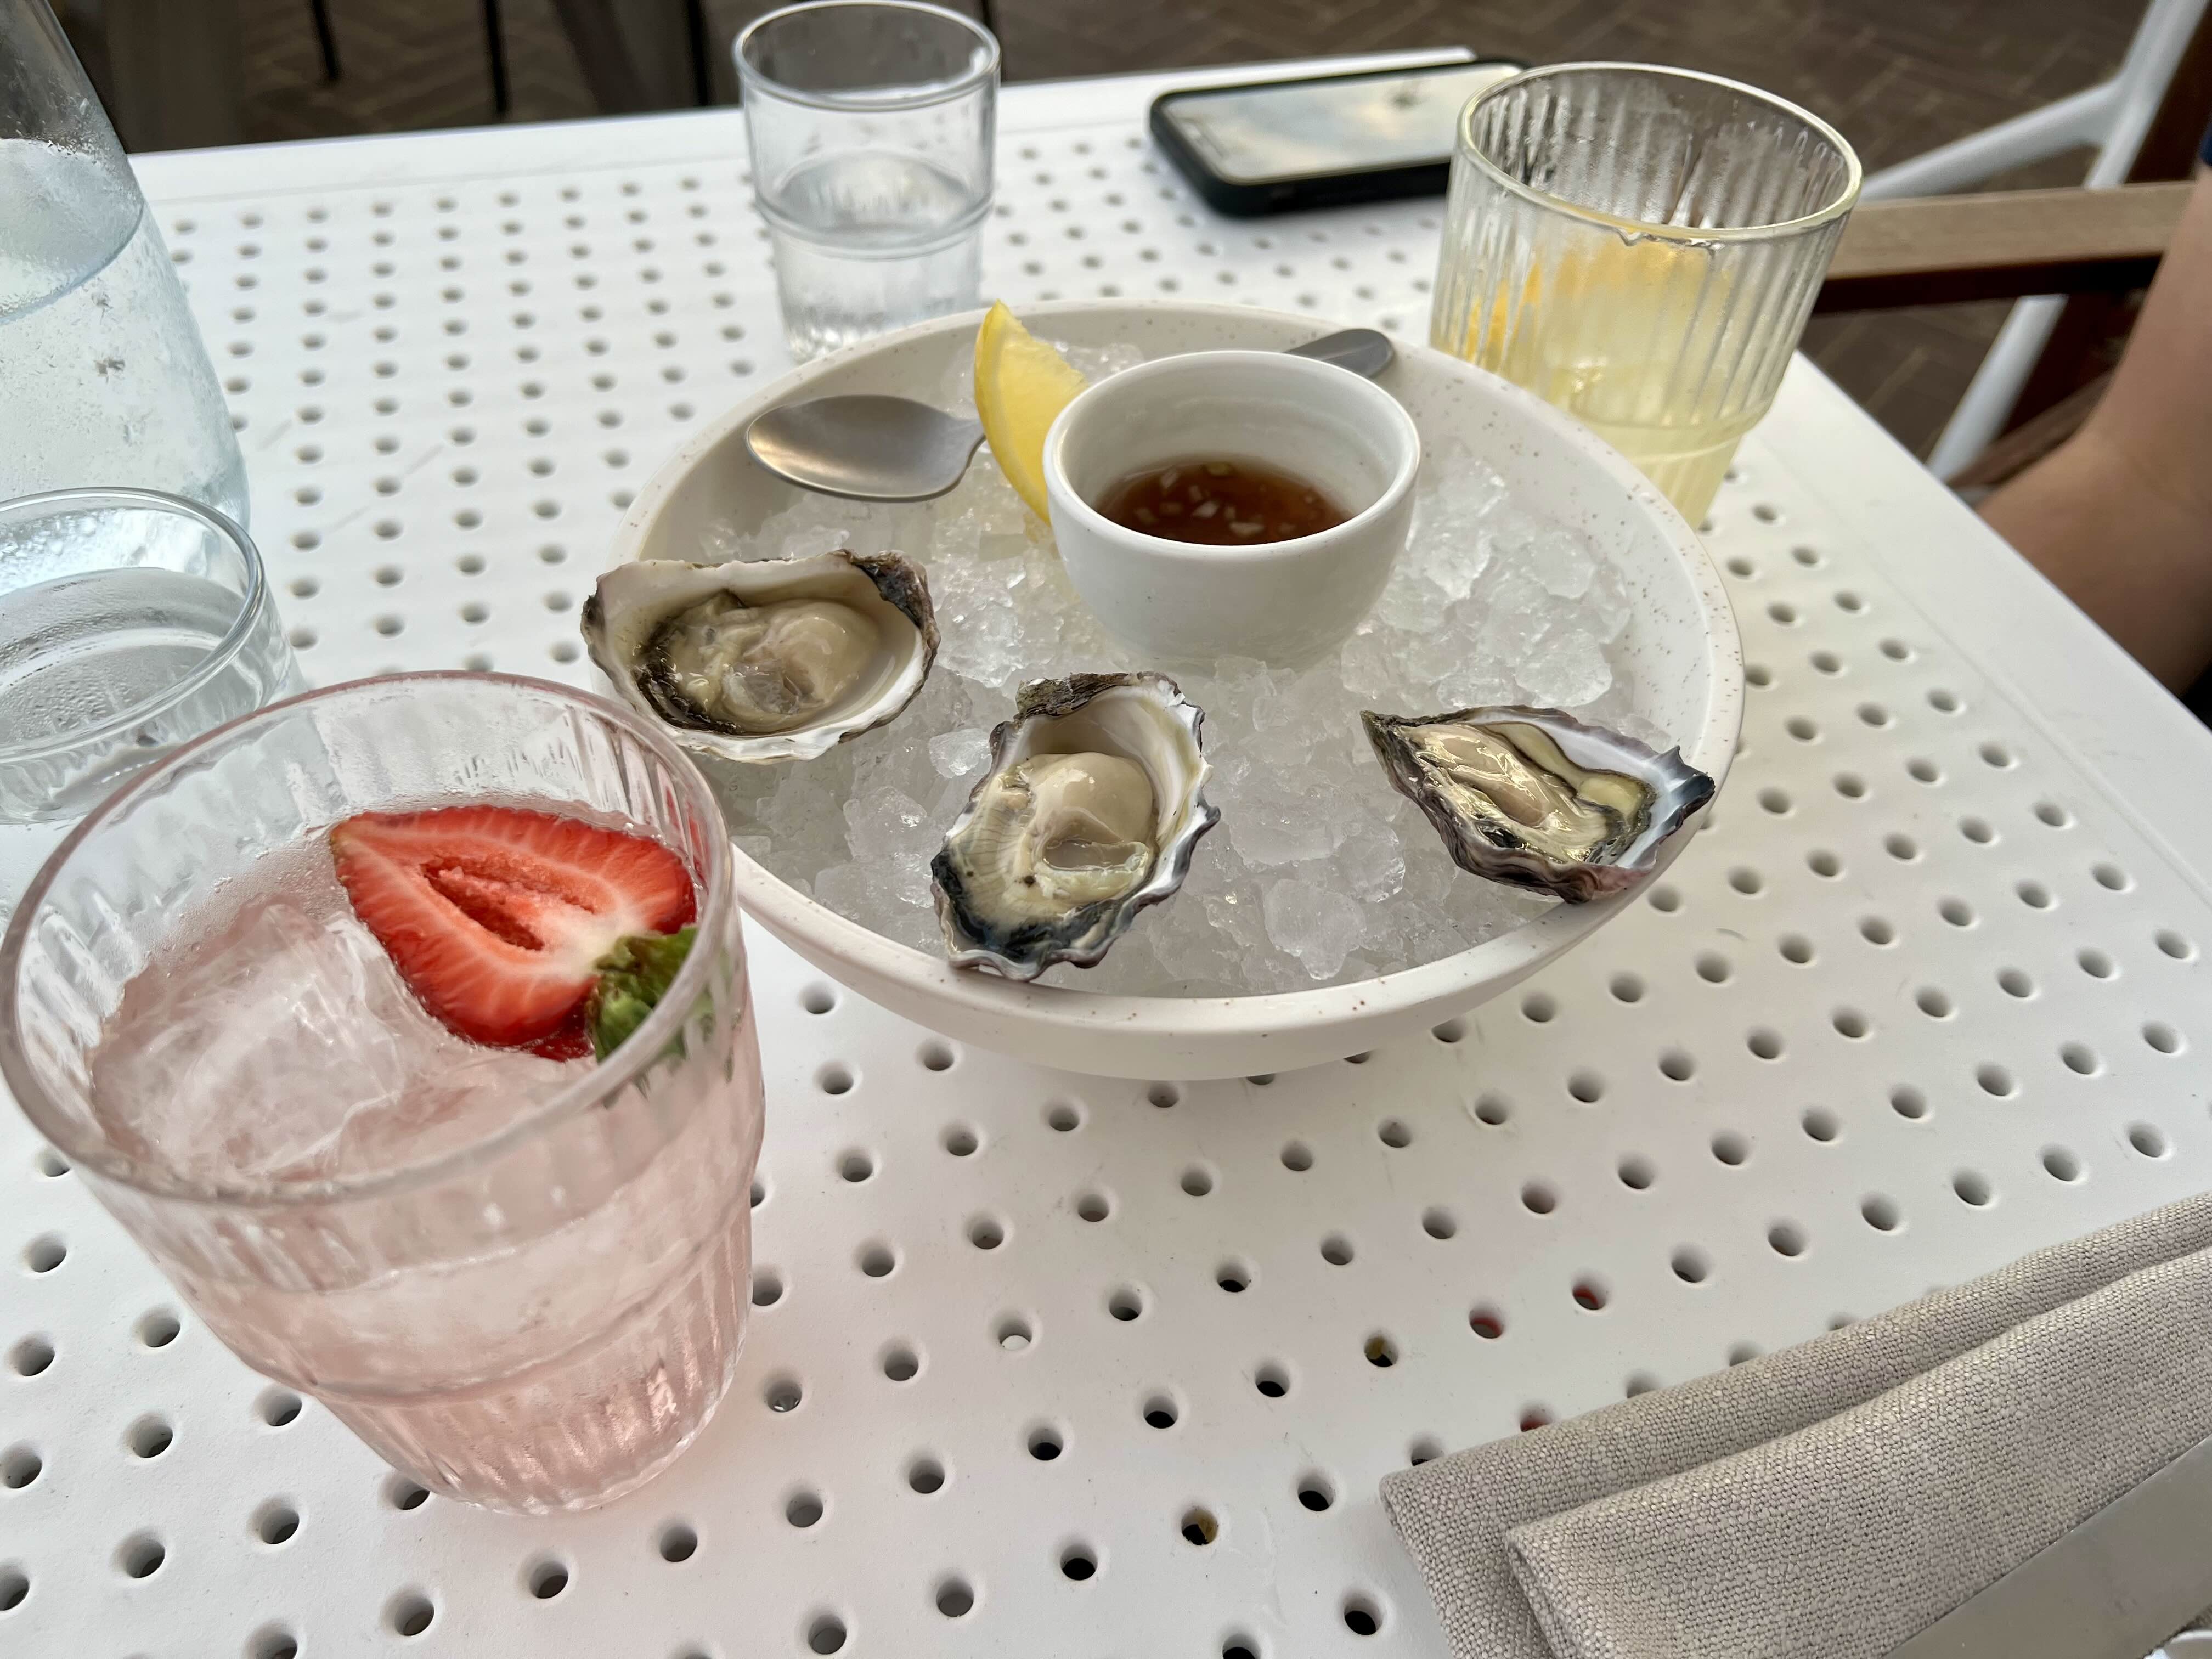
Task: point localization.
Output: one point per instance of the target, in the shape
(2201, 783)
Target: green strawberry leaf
(633, 977)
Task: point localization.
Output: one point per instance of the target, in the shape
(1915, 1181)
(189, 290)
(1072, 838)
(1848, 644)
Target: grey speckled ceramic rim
(1072, 1008)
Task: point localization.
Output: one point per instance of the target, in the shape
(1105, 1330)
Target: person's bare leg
(2120, 516)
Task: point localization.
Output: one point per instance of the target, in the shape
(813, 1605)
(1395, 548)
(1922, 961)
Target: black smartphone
(1275, 146)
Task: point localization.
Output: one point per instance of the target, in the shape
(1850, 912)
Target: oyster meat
(1090, 812)
(1537, 799)
(765, 661)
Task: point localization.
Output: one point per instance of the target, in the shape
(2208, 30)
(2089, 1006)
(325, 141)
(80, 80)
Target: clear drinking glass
(1641, 245)
(536, 1305)
(129, 622)
(103, 379)
(871, 124)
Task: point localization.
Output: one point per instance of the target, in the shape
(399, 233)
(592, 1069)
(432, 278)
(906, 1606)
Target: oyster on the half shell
(1092, 806)
(767, 659)
(1537, 799)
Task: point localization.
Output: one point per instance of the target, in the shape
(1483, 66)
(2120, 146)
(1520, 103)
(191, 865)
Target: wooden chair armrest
(1938, 249)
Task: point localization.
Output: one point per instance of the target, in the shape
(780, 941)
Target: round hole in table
(140, 1556)
(149, 1437)
(955, 1597)
(277, 1408)
(401, 1494)
(545, 1577)
(18, 1466)
(157, 1328)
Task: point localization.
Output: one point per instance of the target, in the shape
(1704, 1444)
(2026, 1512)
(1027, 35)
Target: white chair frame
(2112, 117)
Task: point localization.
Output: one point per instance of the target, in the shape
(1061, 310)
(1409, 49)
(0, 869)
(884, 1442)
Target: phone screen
(1305, 129)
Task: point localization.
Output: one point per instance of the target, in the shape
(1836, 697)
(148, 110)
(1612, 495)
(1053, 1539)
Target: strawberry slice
(494, 916)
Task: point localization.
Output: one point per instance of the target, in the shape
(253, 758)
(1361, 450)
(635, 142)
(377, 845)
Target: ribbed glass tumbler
(522, 1291)
(1641, 247)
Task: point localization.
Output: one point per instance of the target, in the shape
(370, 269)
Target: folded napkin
(1836, 1498)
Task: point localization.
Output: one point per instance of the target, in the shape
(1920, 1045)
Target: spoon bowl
(866, 447)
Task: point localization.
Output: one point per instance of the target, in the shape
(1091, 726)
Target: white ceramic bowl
(1284, 601)
(1681, 643)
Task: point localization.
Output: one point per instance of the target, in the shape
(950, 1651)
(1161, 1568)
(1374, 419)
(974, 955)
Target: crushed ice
(1319, 871)
(276, 1042)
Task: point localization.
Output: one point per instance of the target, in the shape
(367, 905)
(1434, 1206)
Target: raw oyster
(769, 660)
(1535, 798)
(1090, 812)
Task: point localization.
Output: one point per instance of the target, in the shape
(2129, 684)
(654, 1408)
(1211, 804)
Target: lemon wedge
(1021, 385)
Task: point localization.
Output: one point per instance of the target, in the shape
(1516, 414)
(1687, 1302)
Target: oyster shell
(1537, 799)
(1090, 812)
(767, 659)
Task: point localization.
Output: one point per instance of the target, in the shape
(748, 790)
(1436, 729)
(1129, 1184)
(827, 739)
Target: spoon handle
(1364, 351)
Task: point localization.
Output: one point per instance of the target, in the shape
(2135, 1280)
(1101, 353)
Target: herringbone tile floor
(1898, 76)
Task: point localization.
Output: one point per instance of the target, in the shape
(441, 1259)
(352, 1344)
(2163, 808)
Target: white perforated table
(1927, 996)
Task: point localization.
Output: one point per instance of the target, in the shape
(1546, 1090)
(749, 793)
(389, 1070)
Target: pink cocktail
(519, 1275)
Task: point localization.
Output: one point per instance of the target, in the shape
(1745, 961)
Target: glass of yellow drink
(1640, 246)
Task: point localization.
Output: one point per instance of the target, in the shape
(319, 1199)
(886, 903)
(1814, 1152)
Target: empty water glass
(129, 622)
(871, 124)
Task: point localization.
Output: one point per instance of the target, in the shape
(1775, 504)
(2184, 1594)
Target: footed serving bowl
(1680, 649)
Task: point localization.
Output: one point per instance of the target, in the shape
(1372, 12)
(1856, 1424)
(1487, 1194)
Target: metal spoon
(869, 447)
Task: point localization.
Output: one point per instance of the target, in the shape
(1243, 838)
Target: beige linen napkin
(1838, 1497)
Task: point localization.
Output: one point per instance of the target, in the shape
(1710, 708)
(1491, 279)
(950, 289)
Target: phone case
(1252, 201)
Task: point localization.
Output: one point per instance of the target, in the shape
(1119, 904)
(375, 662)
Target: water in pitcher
(867, 240)
(106, 382)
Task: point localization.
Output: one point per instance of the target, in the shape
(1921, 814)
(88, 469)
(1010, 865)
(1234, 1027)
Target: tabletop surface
(1925, 996)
